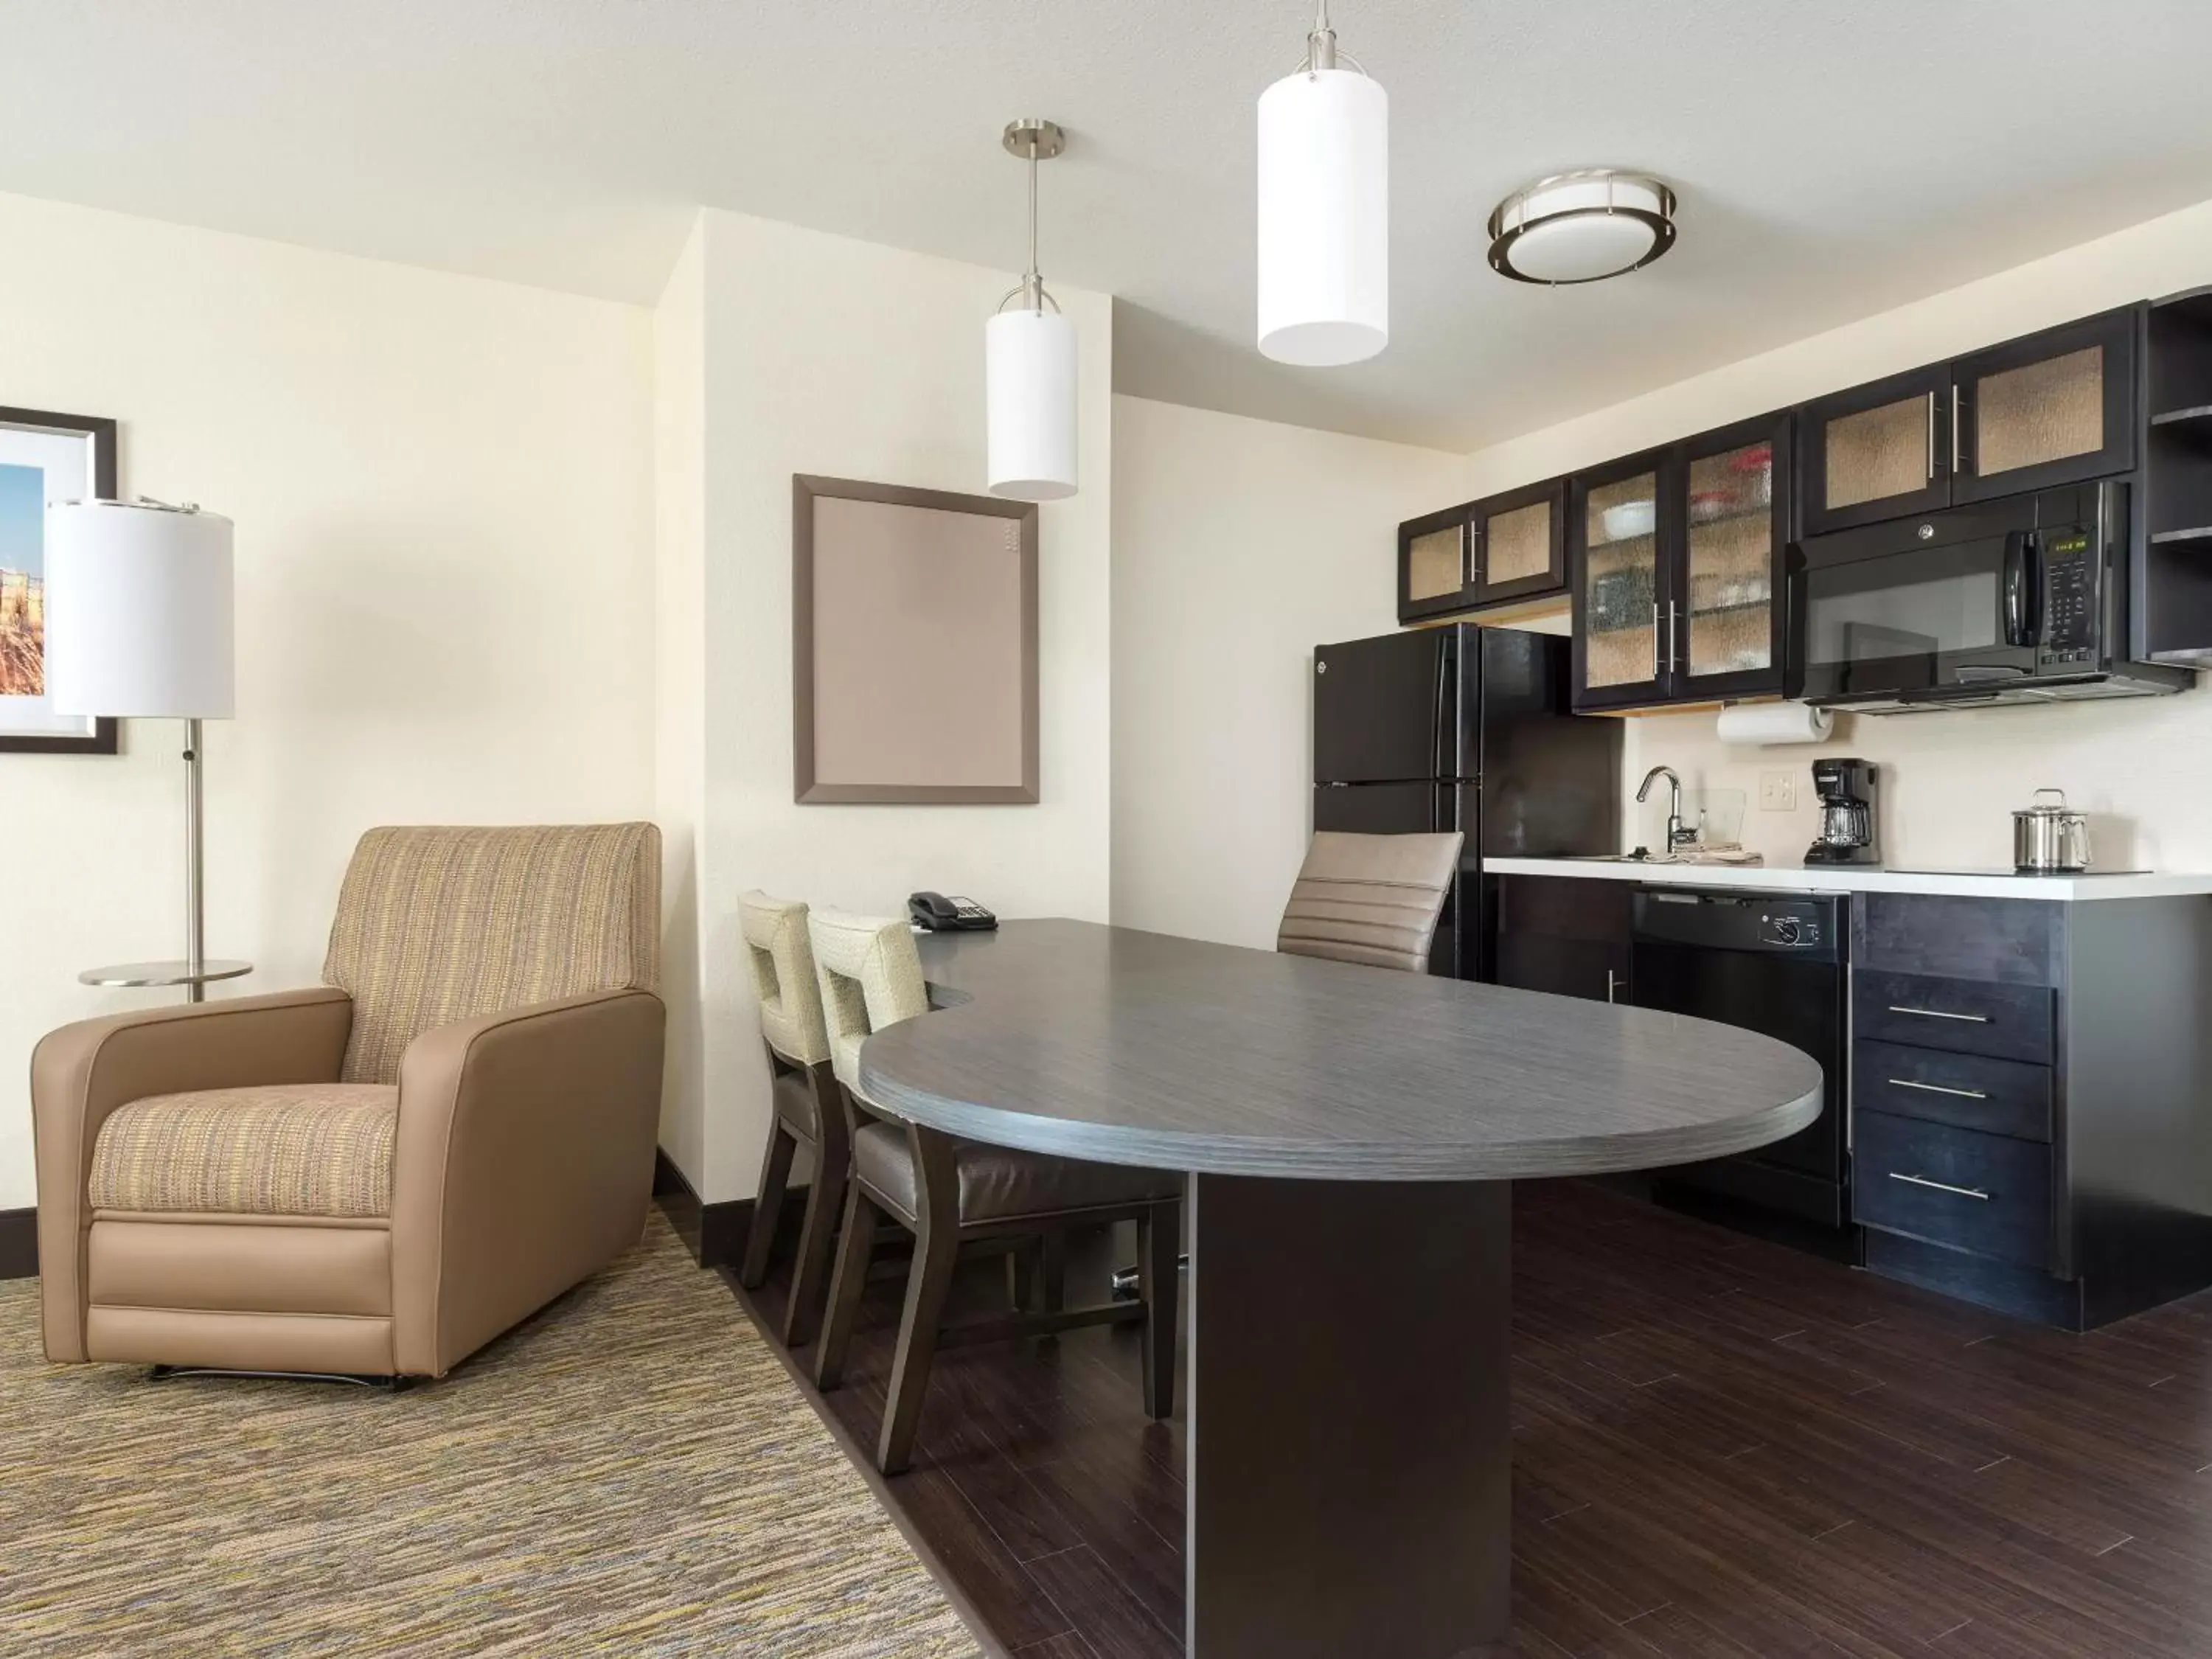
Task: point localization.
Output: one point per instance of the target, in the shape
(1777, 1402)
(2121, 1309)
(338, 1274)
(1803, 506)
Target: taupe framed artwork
(914, 645)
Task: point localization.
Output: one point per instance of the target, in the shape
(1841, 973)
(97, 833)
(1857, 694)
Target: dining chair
(807, 1110)
(950, 1194)
(1372, 899)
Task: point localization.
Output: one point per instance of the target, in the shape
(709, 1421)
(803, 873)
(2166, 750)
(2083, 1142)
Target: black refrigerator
(1463, 728)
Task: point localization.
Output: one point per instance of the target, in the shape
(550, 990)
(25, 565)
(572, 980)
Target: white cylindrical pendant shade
(1028, 373)
(138, 612)
(1324, 218)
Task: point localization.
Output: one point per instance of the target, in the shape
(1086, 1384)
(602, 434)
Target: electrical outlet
(1777, 790)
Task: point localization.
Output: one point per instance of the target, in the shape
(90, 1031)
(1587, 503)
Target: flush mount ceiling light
(1582, 226)
(1324, 210)
(1029, 361)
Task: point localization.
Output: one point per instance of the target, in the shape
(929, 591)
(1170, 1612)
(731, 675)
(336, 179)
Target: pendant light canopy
(1324, 210)
(1029, 363)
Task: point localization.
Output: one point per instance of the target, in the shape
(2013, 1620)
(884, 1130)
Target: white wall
(1948, 780)
(828, 355)
(443, 493)
(1238, 546)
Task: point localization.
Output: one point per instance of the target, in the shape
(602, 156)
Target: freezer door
(1382, 708)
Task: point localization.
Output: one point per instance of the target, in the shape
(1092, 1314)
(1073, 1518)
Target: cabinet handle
(1931, 468)
(1938, 1014)
(1956, 467)
(1941, 1186)
(1612, 983)
(1936, 1089)
(1670, 635)
(1655, 639)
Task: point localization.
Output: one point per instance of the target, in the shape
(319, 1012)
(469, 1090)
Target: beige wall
(1949, 779)
(828, 355)
(1238, 546)
(443, 493)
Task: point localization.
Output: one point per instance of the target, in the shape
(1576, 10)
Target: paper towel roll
(1770, 723)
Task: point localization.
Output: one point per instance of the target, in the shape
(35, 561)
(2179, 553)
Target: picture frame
(914, 646)
(44, 457)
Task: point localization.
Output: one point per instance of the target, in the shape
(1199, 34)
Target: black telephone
(940, 914)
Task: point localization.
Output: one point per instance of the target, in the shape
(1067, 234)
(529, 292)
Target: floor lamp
(138, 625)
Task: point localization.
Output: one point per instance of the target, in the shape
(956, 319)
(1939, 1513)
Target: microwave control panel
(2070, 601)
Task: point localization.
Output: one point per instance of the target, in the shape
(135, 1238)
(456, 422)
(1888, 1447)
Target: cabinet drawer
(1990, 1194)
(2008, 941)
(1961, 1016)
(1970, 1091)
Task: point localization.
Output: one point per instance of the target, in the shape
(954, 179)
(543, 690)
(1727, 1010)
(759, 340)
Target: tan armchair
(377, 1177)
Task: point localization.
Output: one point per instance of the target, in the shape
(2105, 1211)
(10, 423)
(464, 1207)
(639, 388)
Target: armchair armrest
(524, 1162)
(82, 1073)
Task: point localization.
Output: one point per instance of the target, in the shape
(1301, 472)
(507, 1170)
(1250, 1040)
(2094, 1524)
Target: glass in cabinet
(2056, 408)
(1619, 584)
(1877, 452)
(1432, 565)
(1734, 547)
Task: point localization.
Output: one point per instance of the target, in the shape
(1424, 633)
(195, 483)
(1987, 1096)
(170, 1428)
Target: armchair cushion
(436, 926)
(317, 1149)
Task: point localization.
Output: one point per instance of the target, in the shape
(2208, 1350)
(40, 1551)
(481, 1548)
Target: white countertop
(1867, 878)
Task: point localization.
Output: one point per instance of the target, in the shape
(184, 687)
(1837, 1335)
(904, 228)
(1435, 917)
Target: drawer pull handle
(1938, 1014)
(1941, 1186)
(1936, 1089)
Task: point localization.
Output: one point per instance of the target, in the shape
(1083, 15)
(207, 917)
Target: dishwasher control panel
(1789, 927)
(1793, 924)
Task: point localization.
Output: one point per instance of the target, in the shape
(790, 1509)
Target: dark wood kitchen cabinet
(1564, 934)
(2031, 1100)
(1510, 548)
(1677, 558)
(2054, 408)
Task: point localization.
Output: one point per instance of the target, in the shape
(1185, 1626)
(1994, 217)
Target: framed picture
(43, 457)
(914, 645)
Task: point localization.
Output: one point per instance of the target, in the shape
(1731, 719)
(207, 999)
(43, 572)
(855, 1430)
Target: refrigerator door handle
(1440, 710)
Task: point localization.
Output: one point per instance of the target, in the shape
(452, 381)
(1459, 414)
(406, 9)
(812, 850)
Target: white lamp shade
(138, 612)
(1028, 373)
(1324, 218)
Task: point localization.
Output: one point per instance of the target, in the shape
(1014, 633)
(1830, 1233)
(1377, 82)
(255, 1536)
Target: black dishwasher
(1770, 963)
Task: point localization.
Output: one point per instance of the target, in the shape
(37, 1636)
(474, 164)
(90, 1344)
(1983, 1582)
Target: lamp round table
(1351, 1138)
(146, 975)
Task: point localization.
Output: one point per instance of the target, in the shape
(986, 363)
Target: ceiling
(1831, 162)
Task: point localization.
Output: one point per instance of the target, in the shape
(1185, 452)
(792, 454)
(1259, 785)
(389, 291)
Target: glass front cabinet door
(1876, 452)
(2054, 409)
(1519, 543)
(1433, 567)
(1621, 589)
(1728, 635)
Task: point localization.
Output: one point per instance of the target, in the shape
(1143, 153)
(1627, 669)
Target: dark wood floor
(1724, 1449)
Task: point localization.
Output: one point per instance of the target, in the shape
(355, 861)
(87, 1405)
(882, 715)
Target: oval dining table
(1350, 1137)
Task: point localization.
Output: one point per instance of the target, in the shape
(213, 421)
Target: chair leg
(936, 1254)
(856, 1242)
(1021, 1278)
(802, 1315)
(774, 1177)
(1052, 1273)
(1159, 1237)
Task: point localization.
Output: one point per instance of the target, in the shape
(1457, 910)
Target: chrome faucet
(1678, 833)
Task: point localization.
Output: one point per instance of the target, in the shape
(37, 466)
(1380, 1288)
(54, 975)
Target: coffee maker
(1847, 800)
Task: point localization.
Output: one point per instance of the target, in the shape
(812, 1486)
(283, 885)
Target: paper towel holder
(1770, 725)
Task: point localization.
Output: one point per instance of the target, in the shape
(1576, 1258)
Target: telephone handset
(938, 913)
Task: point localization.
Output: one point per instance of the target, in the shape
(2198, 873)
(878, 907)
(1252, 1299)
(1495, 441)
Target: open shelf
(2183, 416)
(2178, 537)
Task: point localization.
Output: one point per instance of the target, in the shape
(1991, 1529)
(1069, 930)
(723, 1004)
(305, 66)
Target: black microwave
(2019, 600)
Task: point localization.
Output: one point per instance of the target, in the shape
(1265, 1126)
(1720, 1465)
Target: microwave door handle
(2023, 590)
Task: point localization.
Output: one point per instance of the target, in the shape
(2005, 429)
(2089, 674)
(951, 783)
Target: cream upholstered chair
(377, 1177)
(950, 1192)
(1373, 899)
(808, 1113)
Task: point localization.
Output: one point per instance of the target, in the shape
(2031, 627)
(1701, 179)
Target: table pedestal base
(1350, 1460)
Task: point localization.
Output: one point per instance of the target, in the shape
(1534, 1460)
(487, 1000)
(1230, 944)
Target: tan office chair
(950, 1192)
(808, 1112)
(378, 1177)
(1373, 899)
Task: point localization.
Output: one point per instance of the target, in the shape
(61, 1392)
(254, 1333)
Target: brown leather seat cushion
(997, 1182)
(794, 1102)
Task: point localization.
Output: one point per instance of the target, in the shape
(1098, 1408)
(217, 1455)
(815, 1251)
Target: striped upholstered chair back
(436, 925)
(1369, 898)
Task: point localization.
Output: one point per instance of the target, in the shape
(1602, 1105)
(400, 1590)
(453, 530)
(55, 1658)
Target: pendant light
(1324, 209)
(1029, 361)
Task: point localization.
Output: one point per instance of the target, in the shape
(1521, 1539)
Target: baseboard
(19, 1244)
(713, 1233)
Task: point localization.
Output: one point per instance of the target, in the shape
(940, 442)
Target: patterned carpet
(631, 1472)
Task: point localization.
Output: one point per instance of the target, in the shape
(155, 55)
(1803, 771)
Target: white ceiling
(1831, 161)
